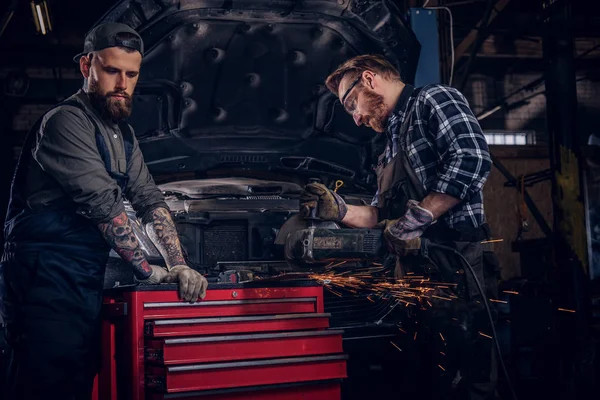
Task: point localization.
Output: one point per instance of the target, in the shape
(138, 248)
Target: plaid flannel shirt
(445, 146)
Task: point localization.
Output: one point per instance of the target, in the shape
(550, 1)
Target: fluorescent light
(41, 16)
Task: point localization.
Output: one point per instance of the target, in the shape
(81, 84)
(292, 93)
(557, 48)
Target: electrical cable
(428, 244)
(451, 39)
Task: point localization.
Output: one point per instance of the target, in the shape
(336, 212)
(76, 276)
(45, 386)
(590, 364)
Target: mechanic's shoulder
(67, 115)
(437, 96)
(434, 90)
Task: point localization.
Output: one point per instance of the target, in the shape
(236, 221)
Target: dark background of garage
(509, 62)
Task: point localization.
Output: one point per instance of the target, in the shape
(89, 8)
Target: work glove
(156, 277)
(192, 285)
(402, 235)
(330, 206)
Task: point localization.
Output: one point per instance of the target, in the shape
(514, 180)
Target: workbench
(243, 341)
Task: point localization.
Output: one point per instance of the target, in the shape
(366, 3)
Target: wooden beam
(468, 41)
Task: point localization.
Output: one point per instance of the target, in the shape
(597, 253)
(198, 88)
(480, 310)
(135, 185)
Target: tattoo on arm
(164, 235)
(119, 235)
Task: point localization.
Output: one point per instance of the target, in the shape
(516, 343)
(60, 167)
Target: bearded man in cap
(66, 213)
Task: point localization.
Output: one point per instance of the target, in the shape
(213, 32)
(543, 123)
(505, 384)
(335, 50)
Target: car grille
(224, 242)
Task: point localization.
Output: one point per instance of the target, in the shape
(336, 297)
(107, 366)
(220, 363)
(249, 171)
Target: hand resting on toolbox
(192, 285)
(161, 229)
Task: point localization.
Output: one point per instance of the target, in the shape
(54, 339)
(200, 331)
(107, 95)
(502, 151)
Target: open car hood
(230, 84)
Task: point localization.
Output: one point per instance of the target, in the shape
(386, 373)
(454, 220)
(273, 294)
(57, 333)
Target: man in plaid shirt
(430, 180)
(451, 138)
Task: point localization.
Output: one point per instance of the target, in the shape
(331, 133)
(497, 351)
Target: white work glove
(192, 285)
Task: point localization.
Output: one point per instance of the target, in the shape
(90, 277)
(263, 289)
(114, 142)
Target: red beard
(378, 114)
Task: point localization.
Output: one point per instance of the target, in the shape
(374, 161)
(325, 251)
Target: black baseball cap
(105, 35)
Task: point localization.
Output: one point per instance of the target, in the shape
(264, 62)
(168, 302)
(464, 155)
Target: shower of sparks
(413, 290)
(415, 337)
(442, 353)
(374, 283)
(566, 310)
(396, 346)
(484, 335)
(331, 265)
(442, 336)
(334, 292)
(492, 241)
(498, 301)
(510, 292)
(442, 368)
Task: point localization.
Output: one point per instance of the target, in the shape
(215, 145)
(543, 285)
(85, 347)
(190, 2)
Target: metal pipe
(10, 11)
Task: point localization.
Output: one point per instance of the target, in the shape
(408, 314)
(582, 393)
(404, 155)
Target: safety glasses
(350, 108)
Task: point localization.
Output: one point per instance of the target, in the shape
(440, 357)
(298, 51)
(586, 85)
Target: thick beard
(108, 107)
(378, 116)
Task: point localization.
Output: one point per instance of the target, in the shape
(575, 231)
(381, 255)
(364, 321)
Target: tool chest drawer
(242, 347)
(183, 378)
(232, 302)
(224, 308)
(242, 341)
(326, 390)
(226, 325)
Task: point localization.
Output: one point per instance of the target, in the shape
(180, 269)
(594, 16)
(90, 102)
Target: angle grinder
(309, 241)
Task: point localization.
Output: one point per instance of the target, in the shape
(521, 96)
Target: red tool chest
(243, 341)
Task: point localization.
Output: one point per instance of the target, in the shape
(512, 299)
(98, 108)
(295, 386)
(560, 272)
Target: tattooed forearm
(119, 235)
(163, 234)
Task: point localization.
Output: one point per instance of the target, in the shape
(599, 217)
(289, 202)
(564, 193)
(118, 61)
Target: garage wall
(483, 92)
(501, 203)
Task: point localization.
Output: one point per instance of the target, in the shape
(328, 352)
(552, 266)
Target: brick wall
(502, 207)
(484, 91)
(47, 73)
(27, 115)
(44, 91)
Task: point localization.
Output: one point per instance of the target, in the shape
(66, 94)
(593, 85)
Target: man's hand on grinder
(402, 234)
(192, 285)
(330, 206)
